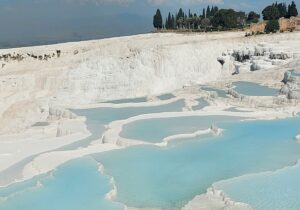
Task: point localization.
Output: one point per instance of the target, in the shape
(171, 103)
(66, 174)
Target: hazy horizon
(33, 22)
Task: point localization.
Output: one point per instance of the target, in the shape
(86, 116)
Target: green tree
(271, 13)
(292, 10)
(203, 14)
(205, 23)
(253, 17)
(180, 14)
(208, 12)
(282, 10)
(180, 22)
(214, 10)
(169, 21)
(241, 18)
(225, 18)
(157, 20)
(272, 26)
(166, 24)
(173, 20)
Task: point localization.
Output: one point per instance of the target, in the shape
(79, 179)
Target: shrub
(272, 26)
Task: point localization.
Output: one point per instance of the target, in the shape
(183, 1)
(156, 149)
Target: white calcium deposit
(39, 84)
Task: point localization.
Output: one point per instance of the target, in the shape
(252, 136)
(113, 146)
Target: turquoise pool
(149, 176)
(295, 73)
(220, 93)
(267, 191)
(201, 104)
(155, 130)
(77, 185)
(168, 177)
(254, 89)
(99, 117)
(128, 100)
(233, 109)
(166, 96)
(96, 120)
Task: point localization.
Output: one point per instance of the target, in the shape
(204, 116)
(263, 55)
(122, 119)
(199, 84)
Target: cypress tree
(208, 12)
(157, 20)
(216, 9)
(212, 13)
(253, 17)
(282, 9)
(292, 10)
(173, 22)
(180, 14)
(166, 24)
(203, 14)
(271, 13)
(169, 21)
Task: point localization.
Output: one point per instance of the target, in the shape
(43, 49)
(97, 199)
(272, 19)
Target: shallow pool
(99, 117)
(155, 130)
(254, 89)
(168, 177)
(295, 73)
(266, 191)
(128, 100)
(96, 120)
(220, 93)
(234, 109)
(166, 96)
(149, 176)
(201, 104)
(77, 185)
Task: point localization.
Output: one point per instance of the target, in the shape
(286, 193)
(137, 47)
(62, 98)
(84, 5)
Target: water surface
(97, 118)
(201, 104)
(149, 176)
(156, 129)
(128, 100)
(254, 89)
(76, 185)
(220, 93)
(266, 191)
(166, 96)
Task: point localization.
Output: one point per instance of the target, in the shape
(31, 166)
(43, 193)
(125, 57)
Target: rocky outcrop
(56, 113)
(221, 60)
(291, 77)
(280, 55)
(215, 199)
(235, 94)
(294, 95)
(285, 89)
(258, 27)
(287, 24)
(297, 22)
(287, 76)
(258, 57)
(215, 130)
(284, 25)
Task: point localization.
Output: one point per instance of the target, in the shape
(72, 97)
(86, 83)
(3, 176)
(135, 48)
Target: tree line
(212, 18)
(276, 11)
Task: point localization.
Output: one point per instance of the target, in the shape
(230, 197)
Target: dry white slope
(110, 69)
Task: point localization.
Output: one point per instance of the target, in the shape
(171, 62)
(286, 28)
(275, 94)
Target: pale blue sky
(25, 22)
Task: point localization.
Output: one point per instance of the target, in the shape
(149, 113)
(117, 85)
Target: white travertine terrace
(34, 90)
